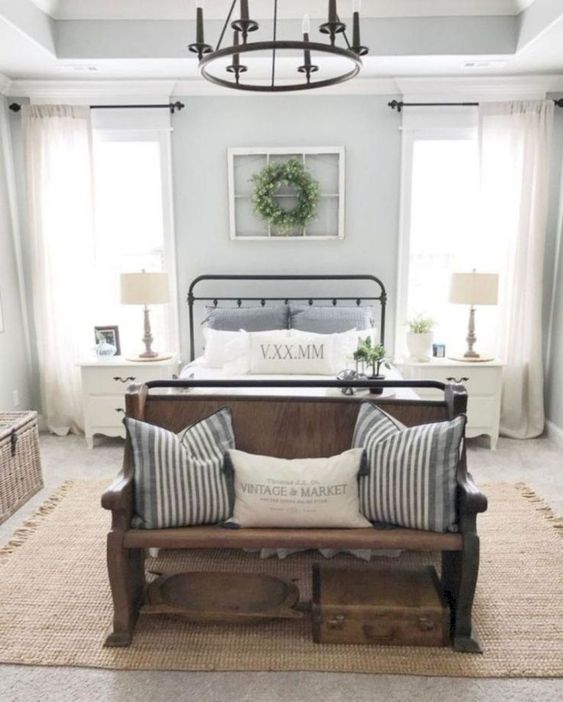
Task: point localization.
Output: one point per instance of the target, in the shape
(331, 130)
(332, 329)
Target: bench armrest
(118, 498)
(472, 500)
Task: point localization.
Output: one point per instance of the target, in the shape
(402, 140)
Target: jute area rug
(55, 603)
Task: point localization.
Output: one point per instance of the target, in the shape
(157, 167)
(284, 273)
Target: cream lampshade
(146, 289)
(473, 289)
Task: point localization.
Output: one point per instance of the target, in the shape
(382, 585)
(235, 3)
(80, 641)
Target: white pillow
(304, 492)
(217, 345)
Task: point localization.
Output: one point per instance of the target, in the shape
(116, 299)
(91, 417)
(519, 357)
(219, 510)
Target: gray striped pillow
(179, 479)
(412, 471)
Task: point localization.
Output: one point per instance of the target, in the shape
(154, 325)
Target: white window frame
(162, 135)
(410, 135)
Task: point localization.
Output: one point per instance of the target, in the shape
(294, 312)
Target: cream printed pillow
(303, 492)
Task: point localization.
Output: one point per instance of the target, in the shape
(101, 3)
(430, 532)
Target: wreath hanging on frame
(266, 186)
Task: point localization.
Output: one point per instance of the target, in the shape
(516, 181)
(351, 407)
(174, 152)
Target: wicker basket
(20, 463)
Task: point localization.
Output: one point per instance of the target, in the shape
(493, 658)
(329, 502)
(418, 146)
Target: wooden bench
(288, 427)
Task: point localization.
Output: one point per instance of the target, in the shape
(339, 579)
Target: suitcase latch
(336, 622)
(426, 624)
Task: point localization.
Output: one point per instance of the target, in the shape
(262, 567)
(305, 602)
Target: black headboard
(380, 297)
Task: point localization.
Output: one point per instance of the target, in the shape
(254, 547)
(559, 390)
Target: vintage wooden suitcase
(20, 463)
(389, 605)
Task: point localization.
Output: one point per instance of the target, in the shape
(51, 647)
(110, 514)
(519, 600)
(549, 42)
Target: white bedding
(198, 371)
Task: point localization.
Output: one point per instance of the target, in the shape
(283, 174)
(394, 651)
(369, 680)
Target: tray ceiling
(180, 9)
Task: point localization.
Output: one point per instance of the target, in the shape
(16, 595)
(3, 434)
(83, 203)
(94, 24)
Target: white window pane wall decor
(326, 165)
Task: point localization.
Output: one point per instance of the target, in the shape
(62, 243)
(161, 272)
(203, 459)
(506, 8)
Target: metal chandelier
(309, 75)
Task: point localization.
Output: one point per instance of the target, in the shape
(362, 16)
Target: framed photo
(111, 336)
(325, 164)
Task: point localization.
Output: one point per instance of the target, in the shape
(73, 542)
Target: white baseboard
(554, 432)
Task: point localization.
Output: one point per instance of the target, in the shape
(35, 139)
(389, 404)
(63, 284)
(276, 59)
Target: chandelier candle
(200, 47)
(356, 43)
(332, 15)
(307, 66)
(334, 26)
(199, 36)
(244, 10)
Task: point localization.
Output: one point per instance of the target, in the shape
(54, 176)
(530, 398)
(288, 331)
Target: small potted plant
(373, 356)
(420, 337)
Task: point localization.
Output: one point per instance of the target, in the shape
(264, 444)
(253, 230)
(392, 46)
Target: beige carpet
(55, 603)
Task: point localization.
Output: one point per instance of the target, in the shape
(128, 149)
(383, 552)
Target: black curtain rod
(172, 106)
(398, 105)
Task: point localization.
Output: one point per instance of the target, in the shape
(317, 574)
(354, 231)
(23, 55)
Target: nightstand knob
(119, 410)
(457, 380)
(129, 379)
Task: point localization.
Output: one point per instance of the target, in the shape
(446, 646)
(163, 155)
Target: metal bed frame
(381, 297)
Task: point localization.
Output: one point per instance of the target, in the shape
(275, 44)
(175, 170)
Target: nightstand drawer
(105, 411)
(480, 380)
(114, 380)
(481, 411)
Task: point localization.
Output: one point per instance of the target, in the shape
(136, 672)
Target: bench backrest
(284, 427)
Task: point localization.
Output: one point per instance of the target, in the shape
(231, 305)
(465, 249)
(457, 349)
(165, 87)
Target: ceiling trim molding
(5, 84)
(100, 90)
(486, 88)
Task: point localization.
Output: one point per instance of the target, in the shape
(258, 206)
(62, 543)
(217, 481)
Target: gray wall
(363, 124)
(14, 366)
(553, 281)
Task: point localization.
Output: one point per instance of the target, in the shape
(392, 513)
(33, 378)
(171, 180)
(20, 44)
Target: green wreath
(268, 182)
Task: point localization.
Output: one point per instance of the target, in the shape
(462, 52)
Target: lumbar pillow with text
(179, 478)
(290, 352)
(303, 492)
(411, 478)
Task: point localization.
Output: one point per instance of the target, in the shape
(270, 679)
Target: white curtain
(514, 142)
(58, 152)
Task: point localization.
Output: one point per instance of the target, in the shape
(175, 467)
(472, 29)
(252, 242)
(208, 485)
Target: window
(441, 234)
(133, 224)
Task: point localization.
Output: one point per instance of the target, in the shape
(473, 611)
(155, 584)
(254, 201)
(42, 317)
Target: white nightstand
(103, 390)
(482, 380)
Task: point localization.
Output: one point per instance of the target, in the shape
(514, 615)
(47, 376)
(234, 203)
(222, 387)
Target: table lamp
(145, 289)
(473, 289)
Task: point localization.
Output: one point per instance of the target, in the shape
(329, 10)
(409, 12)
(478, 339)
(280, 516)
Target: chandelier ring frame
(274, 46)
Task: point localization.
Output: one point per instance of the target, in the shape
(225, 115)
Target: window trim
(409, 137)
(162, 136)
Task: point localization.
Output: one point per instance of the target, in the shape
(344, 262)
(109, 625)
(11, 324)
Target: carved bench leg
(459, 579)
(126, 569)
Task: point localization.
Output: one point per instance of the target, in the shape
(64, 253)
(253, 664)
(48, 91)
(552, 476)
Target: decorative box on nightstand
(482, 380)
(104, 383)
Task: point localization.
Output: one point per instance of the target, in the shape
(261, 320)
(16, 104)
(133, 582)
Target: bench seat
(219, 537)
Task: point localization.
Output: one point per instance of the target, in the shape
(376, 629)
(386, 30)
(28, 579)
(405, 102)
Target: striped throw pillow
(412, 471)
(179, 479)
